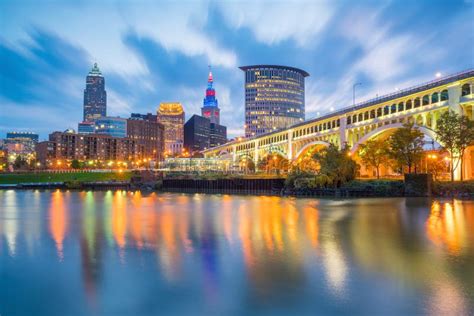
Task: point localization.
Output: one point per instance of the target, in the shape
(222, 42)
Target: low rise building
(113, 126)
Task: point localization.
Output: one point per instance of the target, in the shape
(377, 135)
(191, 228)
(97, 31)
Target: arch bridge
(423, 104)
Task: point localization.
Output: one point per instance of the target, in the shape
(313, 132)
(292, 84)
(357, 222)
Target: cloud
(274, 21)
(100, 27)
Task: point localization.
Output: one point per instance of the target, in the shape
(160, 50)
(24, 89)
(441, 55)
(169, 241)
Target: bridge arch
(275, 150)
(309, 145)
(426, 131)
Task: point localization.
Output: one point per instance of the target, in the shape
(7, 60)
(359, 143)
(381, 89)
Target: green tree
(337, 165)
(455, 133)
(20, 163)
(75, 164)
(406, 146)
(374, 153)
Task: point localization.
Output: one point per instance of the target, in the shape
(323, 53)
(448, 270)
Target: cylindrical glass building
(274, 98)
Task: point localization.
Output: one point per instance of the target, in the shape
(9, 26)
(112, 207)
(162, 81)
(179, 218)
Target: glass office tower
(274, 98)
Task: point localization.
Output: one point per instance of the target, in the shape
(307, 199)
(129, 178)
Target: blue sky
(152, 51)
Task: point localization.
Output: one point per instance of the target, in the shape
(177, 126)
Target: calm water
(121, 253)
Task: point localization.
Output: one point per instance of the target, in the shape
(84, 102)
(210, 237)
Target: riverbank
(231, 185)
(63, 177)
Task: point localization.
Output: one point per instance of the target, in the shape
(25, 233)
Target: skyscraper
(274, 98)
(95, 96)
(210, 107)
(171, 115)
(196, 133)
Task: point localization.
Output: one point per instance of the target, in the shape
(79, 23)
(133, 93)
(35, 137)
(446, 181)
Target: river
(126, 253)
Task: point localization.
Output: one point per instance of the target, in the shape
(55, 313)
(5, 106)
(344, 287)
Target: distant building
(86, 127)
(20, 143)
(29, 135)
(113, 126)
(210, 107)
(196, 133)
(217, 135)
(149, 137)
(274, 98)
(95, 96)
(67, 146)
(171, 115)
(148, 117)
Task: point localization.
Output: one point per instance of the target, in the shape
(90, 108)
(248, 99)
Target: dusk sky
(151, 51)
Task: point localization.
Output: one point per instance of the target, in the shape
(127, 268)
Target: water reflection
(450, 225)
(265, 248)
(58, 220)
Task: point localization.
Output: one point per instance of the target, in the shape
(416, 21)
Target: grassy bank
(41, 177)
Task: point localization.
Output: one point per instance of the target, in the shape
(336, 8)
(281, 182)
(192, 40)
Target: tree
(374, 153)
(406, 146)
(20, 163)
(75, 164)
(455, 133)
(336, 164)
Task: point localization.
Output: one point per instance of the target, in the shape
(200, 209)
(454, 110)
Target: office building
(95, 96)
(217, 135)
(210, 107)
(149, 138)
(274, 98)
(86, 127)
(171, 115)
(20, 143)
(23, 135)
(196, 134)
(113, 126)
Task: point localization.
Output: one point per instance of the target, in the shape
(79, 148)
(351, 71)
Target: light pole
(354, 92)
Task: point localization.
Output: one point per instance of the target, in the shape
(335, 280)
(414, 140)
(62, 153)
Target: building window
(434, 97)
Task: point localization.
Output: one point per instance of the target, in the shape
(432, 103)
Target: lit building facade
(113, 126)
(63, 147)
(171, 115)
(23, 135)
(274, 98)
(95, 96)
(210, 107)
(20, 144)
(149, 138)
(86, 127)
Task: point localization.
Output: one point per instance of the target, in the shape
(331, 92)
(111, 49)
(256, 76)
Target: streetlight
(354, 93)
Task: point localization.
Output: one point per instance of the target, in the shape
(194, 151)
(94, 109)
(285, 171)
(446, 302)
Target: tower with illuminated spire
(210, 107)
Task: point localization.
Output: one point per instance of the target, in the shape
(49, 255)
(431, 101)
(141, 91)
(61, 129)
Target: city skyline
(146, 61)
